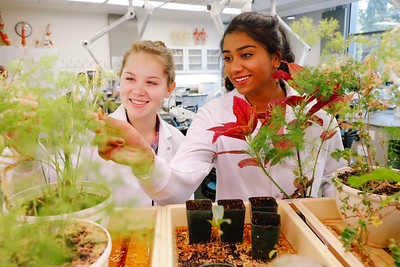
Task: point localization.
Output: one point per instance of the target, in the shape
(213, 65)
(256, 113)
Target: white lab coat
(125, 186)
(173, 182)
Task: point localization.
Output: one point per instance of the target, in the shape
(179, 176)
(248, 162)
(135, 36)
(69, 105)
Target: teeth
(138, 102)
(242, 79)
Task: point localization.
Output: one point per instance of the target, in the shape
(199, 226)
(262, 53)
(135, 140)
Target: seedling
(218, 214)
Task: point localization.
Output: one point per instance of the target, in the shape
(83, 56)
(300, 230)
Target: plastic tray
(324, 219)
(299, 235)
(140, 218)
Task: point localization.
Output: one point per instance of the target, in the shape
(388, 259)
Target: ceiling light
(233, 11)
(291, 17)
(186, 7)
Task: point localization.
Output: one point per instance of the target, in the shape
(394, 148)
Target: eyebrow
(240, 48)
(150, 77)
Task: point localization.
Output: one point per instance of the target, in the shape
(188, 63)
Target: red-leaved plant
(280, 137)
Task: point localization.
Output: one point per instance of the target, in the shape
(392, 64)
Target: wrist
(147, 174)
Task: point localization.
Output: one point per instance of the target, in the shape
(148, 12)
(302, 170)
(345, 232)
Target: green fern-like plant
(46, 118)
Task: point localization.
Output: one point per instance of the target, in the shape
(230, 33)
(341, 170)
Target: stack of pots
(265, 223)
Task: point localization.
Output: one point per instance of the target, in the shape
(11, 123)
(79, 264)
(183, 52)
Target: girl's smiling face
(248, 64)
(143, 85)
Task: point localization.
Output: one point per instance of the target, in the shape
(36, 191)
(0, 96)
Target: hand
(120, 142)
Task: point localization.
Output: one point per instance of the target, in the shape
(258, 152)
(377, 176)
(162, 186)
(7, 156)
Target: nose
(138, 88)
(236, 66)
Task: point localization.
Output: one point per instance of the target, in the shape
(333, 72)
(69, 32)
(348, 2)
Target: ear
(276, 60)
(171, 87)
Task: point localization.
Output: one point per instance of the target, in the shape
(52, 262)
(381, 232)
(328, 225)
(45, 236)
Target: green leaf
(218, 212)
(376, 175)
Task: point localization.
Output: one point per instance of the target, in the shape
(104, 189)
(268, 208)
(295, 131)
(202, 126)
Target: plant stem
(269, 176)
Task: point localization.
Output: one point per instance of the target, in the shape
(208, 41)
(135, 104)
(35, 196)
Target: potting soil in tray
(133, 249)
(238, 254)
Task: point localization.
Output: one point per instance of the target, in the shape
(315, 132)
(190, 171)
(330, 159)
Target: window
(370, 18)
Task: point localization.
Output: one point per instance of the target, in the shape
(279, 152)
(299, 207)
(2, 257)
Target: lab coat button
(169, 148)
(277, 196)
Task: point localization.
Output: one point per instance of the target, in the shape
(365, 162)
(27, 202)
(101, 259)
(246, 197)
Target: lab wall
(68, 31)
(70, 28)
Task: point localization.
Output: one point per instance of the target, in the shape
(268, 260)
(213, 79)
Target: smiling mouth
(242, 80)
(137, 102)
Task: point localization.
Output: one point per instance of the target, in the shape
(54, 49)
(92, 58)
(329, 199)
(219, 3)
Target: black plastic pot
(235, 210)
(198, 211)
(267, 204)
(265, 230)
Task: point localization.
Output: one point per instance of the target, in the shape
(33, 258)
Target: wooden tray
(136, 219)
(299, 235)
(322, 216)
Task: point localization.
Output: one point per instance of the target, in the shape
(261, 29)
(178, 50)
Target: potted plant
(53, 243)
(368, 190)
(265, 232)
(234, 211)
(46, 120)
(285, 137)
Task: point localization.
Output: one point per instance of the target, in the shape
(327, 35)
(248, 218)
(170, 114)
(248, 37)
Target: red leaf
(327, 135)
(280, 74)
(245, 114)
(248, 162)
(246, 121)
(293, 68)
(317, 120)
(283, 142)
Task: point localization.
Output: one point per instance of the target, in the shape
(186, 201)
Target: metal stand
(129, 15)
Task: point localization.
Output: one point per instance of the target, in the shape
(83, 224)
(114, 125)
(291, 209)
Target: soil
(88, 241)
(232, 204)
(55, 244)
(198, 205)
(238, 254)
(382, 188)
(132, 249)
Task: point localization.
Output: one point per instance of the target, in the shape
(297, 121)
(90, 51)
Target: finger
(101, 114)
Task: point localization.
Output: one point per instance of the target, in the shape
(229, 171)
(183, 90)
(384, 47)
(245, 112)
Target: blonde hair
(157, 48)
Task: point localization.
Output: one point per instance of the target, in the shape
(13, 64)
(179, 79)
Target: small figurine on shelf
(23, 36)
(203, 36)
(47, 41)
(3, 35)
(196, 37)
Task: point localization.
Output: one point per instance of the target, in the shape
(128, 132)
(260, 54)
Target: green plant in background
(327, 29)
(218, 213)
(46, 118)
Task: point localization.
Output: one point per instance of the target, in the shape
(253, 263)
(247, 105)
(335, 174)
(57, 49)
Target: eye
(152, 83)
(227, 58)
(246, 54)
(129, 78)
